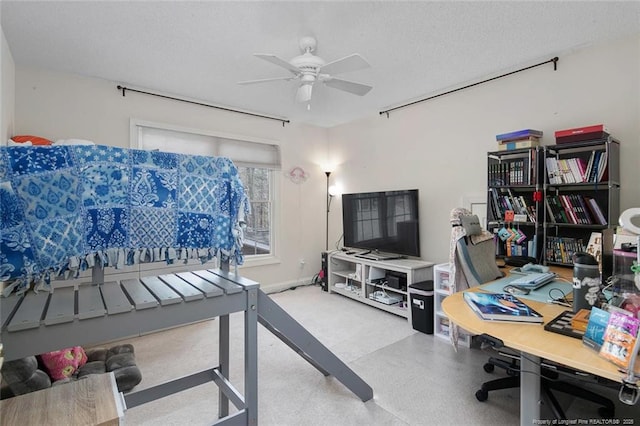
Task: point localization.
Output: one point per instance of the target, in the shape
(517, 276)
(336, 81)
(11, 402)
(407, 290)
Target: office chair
(472, 262)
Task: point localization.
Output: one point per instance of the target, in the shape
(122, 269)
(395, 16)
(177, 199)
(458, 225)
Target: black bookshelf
(514, 178)
(581, 195)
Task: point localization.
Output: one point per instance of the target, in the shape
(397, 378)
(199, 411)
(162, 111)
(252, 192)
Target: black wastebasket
(421, 296)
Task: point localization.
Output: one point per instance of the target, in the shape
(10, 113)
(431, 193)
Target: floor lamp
(329, 197)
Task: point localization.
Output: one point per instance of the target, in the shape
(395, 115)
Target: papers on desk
(534, 280)
(501, 307)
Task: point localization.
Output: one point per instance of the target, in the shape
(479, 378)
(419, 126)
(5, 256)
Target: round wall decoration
(297, 175)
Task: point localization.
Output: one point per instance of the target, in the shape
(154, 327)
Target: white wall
(7, 90)
(60, 106)
(439, 146)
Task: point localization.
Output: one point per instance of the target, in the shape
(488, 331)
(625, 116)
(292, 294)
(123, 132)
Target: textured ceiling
(200, 50)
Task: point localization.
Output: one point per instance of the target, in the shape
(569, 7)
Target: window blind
(242, 152)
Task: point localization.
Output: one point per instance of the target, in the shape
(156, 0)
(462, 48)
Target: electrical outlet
(301, 263)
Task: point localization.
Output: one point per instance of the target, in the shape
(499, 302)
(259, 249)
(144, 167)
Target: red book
(566, 205)
(596, 128)
(580, 137)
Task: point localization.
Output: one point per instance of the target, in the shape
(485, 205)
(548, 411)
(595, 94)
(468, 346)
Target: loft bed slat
(90, 304)
(188, 292)
(233, 277)
(114, 298)
(228, 286)
(7, 307)
(201, 284)
(165, 294)
(61, 306)
(30, 312)
(141, 297)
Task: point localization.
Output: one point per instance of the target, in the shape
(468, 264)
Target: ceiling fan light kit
(308, 69)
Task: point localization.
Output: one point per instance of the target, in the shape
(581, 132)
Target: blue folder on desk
(534, 280)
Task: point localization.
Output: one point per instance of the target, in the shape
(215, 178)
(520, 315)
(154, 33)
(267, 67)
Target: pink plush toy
(63, 363)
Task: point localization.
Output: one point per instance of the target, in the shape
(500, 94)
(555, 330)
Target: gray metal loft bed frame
(99, 311)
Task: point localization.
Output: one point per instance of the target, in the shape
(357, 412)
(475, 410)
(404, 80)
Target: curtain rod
(124, 89)
(555, 67)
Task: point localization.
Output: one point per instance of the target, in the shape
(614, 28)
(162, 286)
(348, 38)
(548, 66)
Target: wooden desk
(91, 401)
(536, 342)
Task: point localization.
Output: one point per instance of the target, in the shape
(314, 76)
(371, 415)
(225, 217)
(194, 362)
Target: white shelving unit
(441, 289)
(358, 278)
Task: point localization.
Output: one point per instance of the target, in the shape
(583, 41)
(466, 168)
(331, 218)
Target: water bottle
(586, 281)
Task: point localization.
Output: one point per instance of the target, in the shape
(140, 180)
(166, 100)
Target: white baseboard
(286, 285)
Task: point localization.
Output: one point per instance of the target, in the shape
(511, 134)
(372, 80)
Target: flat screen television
(384, 224)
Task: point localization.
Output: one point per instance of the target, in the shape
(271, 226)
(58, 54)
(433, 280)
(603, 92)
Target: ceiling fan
(309, 69)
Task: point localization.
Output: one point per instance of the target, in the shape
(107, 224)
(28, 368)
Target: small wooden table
(93, 400)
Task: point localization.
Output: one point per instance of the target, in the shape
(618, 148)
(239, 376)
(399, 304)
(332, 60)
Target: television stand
(363, 277)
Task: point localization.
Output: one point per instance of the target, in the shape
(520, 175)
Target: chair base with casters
(550, 382)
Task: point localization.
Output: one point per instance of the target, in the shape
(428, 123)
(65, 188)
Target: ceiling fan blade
(348, 86)
(279, 62)
(304, 93)
(348, 63)
(266, 80)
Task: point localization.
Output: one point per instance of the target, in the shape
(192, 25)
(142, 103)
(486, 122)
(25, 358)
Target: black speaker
(324, 271)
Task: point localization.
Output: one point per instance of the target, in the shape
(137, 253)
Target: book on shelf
(597, 167)
(581, 130)
(553, 173)
(514, 172)
(597, 324)
(568, 208)
(583, 137)
(596, 211)
(529, 142)
(555, 210)
(574, 209)
(501, 307)
(580, 134)
(602, 167)
(518, 134)
(576, 170)
(594, 247)
(561, 249)
(577, 204)
(619, 338)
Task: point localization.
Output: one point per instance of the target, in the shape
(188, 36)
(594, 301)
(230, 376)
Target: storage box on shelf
(379, 283)
(442, 289)
(581, 195)
(514, 185)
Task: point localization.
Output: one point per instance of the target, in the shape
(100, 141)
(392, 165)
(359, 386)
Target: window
(256, 160)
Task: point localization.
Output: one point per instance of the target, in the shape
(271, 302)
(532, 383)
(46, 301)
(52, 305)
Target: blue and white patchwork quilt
(65, 208)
